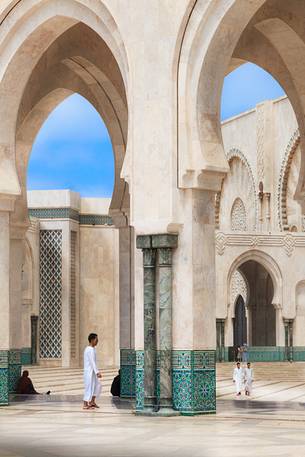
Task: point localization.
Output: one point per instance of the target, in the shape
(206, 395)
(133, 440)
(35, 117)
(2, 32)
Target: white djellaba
(238, 378)
(248, 380)
(91, 381)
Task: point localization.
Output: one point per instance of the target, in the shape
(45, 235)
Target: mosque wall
(71, 286)
(263, 150)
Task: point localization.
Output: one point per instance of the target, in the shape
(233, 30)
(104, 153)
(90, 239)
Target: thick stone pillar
(126, 318)
(156, 372)
(17, 252)
(10, 365)
(194, 307)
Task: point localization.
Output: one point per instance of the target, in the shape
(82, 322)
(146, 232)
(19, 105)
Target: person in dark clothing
(25, 385)
(116, 386)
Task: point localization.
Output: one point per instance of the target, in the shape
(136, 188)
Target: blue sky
(73, 148)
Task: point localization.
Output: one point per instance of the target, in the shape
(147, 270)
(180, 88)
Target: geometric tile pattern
(70, 213)
(10, 371)
(50, 306)
(54, 213)
(4, 396)
(194, 381)
(128, 372)
(95, 219)
(139, 380)
(14, 368)
(73, 319)
(4, 377)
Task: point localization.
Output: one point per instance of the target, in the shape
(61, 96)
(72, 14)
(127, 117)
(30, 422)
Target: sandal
(86, 407)
(94, 405)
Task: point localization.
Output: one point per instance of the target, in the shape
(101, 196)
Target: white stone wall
(265, 137)
(97, 276)
(99, 283)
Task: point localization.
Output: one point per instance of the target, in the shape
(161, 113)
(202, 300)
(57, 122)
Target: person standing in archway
(91, 374)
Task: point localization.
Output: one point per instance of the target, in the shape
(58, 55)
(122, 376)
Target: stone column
(288, 339)
(165, 244)
(9, 353)
(17, 235)
(149, 266)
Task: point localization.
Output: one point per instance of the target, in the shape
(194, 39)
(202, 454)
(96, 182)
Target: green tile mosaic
(95, 219)
(194, 381)
(139, 380)
(4, 396)
(10, 371)
(269, 353)
(54, 213)
(128, 373)
(70, 213)
(26, 356)
(298, 353)
(14, 368)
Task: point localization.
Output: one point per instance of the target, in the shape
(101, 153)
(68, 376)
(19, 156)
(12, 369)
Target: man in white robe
(91, 374)
(248, 379)
(238, 378)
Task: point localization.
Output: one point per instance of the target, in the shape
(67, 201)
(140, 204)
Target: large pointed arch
(217, 39)
(35, 52)
(77, 54)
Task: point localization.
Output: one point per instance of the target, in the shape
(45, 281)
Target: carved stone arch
(40, 24)
(238, 286)
(270, 266)
(291, 149)
(272, 26)
(235, 153)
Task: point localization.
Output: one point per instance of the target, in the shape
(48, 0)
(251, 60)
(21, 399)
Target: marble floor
(61, 428)
(271, 423)
(273, 381)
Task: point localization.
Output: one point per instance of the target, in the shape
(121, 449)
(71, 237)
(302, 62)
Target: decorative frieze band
(70, 213)
(287, 241)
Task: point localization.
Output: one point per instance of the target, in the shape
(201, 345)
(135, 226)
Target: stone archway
(265, 325)
(240, 323)
(269, 34)
(60, 49)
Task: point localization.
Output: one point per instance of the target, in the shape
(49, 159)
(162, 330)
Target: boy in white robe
(91, 374)
(248, 379)
(238, 378)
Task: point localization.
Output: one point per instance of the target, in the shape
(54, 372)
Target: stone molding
(70, 213)
(283, 179)
(288, 241)
(235, 153)
(158, 241)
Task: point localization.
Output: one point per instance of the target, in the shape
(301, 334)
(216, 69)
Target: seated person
(116, 386)
(25, 385)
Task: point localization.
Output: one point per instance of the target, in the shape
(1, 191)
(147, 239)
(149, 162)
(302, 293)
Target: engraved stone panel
(50, 329)
(238, 216)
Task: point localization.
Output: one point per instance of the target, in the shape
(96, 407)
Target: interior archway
(261, 329)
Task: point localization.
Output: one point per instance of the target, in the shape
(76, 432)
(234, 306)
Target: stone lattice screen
(50, 281)
(238, 216)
